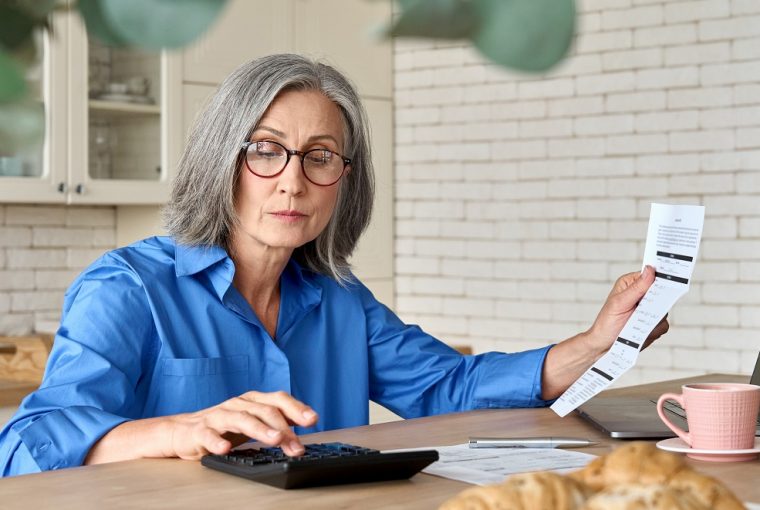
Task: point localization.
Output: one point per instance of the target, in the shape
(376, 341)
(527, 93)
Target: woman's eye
(321, 157)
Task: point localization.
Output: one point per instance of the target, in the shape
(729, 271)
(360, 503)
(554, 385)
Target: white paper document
(673, 238)
(483, 466)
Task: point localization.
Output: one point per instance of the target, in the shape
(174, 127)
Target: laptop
(635, 418)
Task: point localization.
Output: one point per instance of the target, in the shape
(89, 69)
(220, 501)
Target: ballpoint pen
(530, 442)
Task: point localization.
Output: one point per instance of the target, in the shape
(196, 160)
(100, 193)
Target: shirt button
(43, 446)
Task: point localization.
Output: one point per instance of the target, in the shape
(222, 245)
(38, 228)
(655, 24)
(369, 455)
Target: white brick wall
(42, 250)
(513, 239)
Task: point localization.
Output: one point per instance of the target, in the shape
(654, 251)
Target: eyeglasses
(268, 159)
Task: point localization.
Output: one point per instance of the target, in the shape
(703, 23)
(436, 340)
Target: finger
(260, 422)
(294, 410)
(206, 440)
(272, 416)
(660, 329)
(624, 282)
(636, 290)
(247, 423)
(278, 426)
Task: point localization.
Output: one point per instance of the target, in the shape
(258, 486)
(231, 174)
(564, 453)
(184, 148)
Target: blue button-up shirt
(157, 328)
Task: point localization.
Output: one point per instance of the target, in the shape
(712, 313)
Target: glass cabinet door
(37, 173)
(122, 122)
(124, 113)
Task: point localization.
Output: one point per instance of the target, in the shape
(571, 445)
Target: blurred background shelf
(122, 108)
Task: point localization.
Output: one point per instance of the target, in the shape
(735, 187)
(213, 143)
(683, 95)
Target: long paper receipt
(672, 245)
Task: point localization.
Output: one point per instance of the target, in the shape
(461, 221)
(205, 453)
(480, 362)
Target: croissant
(643, 497)
(527, 491)
(643, 463)
(636, 462)
(637, 476)
(709, 491)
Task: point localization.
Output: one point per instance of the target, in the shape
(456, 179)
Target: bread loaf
(644, 463)
(636, 476)
(526, 491)
(636, 462)
(709, 491)
(643, 497)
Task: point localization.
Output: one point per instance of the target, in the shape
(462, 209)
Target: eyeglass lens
(321, 166)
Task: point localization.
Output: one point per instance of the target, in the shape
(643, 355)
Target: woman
(247, 321)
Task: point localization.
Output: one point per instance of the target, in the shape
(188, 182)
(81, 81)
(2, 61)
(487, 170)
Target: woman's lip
(288, 213)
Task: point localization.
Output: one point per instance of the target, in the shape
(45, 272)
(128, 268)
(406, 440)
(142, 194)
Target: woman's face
(288, 211)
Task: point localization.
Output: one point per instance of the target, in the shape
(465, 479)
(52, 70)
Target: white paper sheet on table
(672, 245)
(481, 466)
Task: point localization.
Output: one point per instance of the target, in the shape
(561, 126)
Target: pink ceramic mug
(721, 416)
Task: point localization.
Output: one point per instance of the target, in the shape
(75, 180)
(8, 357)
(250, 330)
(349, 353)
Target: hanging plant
(527, 35)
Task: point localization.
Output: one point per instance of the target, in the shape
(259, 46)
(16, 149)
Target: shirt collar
(300, 293)
(194, 259)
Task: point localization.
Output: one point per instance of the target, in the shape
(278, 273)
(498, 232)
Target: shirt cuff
(64, 437)
(513, 380)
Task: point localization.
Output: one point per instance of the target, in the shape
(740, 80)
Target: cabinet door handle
(61, 187)
(79, 189)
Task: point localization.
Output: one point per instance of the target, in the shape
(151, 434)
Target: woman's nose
(292, 180)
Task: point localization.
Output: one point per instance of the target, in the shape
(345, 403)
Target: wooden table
(171, 483)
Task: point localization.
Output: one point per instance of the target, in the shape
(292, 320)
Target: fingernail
(309, 415)
(273, 433)
(296, 446)
(221, 445)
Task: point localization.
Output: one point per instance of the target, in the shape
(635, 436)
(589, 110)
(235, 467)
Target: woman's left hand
(620, 305)
(567, 360)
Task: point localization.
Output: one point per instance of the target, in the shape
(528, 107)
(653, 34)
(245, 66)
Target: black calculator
(321, 464)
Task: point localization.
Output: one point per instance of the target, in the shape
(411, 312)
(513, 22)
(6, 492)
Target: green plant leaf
(98, 23)
(16, 26)
(149, 24)
(40, 9)
(22, 125)
(12, 83)
(442, 19)
(529, 35)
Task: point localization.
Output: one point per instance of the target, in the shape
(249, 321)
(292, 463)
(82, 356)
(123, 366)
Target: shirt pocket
(192, 384)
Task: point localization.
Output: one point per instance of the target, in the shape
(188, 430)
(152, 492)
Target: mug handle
(679, 431)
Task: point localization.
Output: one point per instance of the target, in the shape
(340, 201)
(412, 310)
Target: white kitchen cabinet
(345, 34)
(113, 121)
(245, 30)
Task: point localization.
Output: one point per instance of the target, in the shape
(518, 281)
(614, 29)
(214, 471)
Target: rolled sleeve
(63, 437)
(94, 377)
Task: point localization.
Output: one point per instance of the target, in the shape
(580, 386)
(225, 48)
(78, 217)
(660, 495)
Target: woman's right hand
(264, 417)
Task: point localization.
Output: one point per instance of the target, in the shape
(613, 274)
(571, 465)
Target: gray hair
(201, 210)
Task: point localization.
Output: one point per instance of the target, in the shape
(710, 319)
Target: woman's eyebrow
(322, 137)
(311, 139)
(274, 131)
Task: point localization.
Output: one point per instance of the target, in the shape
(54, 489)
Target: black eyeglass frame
(292, 152)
